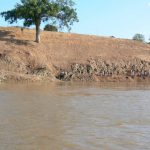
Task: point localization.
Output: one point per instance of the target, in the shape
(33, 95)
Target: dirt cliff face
(71, 57)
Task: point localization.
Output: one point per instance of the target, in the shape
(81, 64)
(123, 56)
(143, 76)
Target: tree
(49, 27)
(34, 12)
(139, 37)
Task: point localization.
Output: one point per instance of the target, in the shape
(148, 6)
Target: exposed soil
(71, 57)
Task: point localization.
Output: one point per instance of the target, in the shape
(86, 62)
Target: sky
(119, 18)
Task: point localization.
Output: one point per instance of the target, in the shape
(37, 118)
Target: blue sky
(120, 18)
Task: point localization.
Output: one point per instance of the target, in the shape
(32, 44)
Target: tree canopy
(34, 12)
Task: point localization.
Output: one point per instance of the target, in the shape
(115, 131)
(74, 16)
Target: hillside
(70, 57)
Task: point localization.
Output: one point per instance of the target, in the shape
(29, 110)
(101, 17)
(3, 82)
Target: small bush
(49, 27)
(139, 37)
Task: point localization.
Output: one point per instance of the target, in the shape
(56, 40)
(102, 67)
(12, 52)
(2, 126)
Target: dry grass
(61, 49)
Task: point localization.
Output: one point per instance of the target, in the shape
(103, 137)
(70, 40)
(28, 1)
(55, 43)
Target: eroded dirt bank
(71, 57)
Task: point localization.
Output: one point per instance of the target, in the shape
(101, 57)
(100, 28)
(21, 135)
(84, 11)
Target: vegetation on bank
(139, 37)
(60, 13)
(49, 27)
(34, 12)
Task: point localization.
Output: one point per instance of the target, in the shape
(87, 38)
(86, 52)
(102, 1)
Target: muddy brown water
(74, 117)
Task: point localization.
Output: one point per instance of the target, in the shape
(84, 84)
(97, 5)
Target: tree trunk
(37, 39)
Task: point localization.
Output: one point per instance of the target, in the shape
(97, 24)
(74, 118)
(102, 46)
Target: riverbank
(71, 57)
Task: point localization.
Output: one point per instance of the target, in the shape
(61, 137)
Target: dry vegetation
(23, 59)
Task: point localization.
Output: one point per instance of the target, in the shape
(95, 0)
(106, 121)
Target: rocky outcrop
(97, 69)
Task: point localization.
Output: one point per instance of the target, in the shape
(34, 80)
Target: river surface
(74, 117)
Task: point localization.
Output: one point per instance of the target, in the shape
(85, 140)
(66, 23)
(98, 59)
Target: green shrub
(49, 27)
(139, 37)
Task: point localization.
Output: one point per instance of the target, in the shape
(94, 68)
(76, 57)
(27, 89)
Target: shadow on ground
(9, 38)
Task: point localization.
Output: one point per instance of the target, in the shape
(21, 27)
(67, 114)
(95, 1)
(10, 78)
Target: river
(74, 116)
